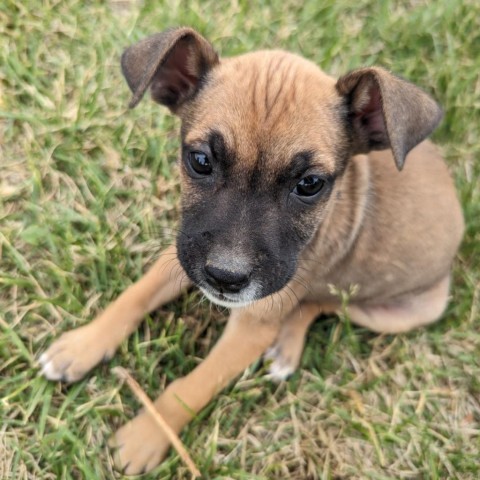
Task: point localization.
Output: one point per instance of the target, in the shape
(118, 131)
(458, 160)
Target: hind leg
(403, 314)
(287, 350)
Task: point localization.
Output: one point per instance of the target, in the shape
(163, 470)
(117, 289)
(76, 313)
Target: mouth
(229, 300)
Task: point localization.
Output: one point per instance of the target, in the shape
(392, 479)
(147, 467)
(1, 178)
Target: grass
(88, 196)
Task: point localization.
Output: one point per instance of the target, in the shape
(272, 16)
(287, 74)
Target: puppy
(292, 182)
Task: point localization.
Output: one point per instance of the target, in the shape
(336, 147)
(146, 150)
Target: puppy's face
(261, 150)
(265, 137)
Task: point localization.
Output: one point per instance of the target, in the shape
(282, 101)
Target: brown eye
(200, 163)
(309, 186)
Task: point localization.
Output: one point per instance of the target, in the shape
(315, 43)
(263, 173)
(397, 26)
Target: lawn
(88, 198)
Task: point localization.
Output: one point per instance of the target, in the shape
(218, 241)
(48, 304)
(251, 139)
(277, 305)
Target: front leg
(286, 353)
(141, 444)
(76, 352)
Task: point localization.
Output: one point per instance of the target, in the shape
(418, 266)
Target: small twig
(150, 407)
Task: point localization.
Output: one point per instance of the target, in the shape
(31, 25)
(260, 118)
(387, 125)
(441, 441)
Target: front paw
(140, 445)
(74, 353)
(280, 365)
(284, 356)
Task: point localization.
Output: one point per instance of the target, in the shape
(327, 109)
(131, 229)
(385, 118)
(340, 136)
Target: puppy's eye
(309, 186)
(200, 163)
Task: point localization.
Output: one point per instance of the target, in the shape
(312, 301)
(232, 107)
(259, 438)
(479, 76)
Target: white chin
(226, 302)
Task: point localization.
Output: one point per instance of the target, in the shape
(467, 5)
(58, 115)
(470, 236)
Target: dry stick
(147, 403)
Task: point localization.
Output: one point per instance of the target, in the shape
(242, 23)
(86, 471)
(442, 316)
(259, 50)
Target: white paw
(49, 370)
(72, 355)
(280, 368)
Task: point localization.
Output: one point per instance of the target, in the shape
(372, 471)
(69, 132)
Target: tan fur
(280, 104)
(266, 108)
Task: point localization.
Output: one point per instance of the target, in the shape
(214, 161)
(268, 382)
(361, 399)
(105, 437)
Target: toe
(75, 353)
(279, 371)
(139, 446)
(280, 366)
(50, 371)
(131, 459)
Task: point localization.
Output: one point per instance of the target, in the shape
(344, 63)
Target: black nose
(226, 280)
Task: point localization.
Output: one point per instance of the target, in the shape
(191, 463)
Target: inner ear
(368, 118)
(179, 76)
(385, 111)
(171, 63)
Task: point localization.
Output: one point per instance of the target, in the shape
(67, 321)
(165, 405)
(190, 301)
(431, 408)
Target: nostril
(230, 281)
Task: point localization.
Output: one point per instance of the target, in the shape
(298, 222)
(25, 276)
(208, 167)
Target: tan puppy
(291, 183)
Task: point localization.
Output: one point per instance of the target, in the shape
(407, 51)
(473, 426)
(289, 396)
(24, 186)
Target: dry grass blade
(150, 407)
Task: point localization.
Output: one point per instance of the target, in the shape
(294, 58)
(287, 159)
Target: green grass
(88, 196)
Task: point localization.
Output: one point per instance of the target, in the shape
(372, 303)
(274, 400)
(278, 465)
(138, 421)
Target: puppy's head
(265, 136)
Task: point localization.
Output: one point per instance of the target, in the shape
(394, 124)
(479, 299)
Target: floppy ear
(172, 63)
(387, 112)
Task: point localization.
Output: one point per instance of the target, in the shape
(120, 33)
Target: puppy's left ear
(172, 63)
(387, 112)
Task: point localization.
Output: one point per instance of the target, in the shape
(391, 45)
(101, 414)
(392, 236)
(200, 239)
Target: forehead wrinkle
(282, 98)
(253, 88)
(298, 96)
(270, 100)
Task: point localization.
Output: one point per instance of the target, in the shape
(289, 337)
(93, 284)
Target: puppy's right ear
(172, 63)
(387, 112)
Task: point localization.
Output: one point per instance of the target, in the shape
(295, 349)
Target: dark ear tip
(124, 68)
(399, 155)
(133, 102)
